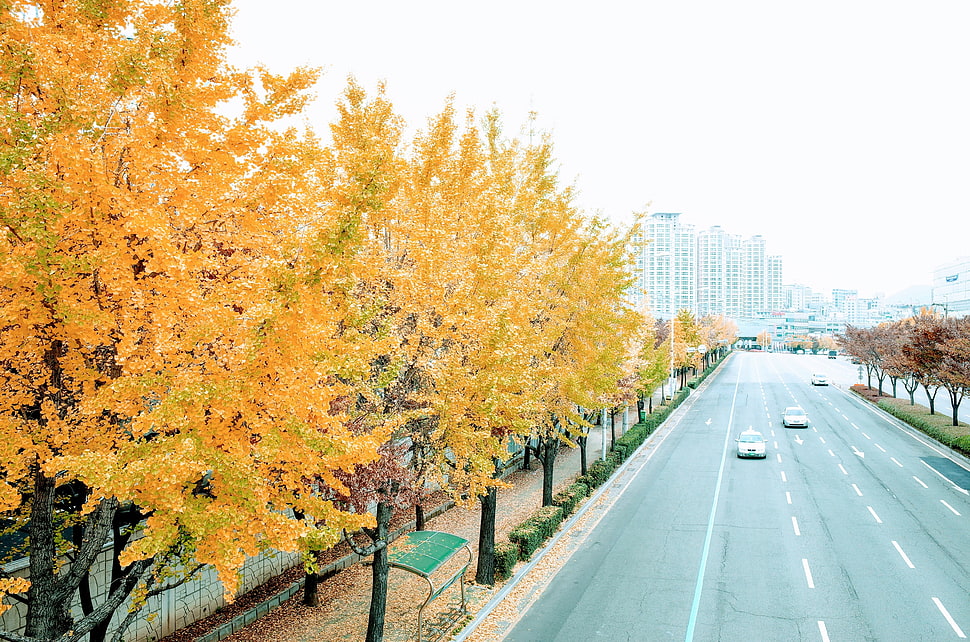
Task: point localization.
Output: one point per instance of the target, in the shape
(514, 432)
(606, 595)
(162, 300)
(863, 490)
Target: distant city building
(951, 287)
(714, 272)
(711, 272)
(774, 288)
(669, 265)
(840, 297)
(718, 273)
(797, 298)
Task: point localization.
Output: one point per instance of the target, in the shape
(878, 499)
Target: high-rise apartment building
(670, 264)
(709, 273)
(753, 276)
(775, 291)
(718, 273)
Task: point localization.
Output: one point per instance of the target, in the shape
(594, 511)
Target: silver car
(819, 379)
(794, 417)
(751, 443)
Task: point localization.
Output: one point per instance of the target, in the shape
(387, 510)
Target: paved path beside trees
(346, 596)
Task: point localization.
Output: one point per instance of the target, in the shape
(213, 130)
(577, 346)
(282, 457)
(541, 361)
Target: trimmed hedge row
(960, 443)
(530, 534)
(570, 498)
(506, 555)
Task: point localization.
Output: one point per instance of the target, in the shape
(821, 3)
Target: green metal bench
(423, 553)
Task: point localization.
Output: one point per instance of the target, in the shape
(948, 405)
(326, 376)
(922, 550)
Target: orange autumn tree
(169, 375)
(467, 278)
(579, 272)
(433, 228)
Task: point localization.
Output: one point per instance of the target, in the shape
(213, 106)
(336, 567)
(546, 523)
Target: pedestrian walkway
(345, 601)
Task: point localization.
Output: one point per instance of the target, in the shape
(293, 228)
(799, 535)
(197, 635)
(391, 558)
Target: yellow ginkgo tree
(169, 374)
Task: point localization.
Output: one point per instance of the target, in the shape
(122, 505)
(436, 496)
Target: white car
(819, 379)
(794, 417)
(751, 443)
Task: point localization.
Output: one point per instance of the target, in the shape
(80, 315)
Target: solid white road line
(952, 483)
(857, 491)
(808, 574)
(920, 481)
(878, 521)
(895, 461)
(794, 525)
(903, 555)
(946, 614)
(943, 501)
(842, 468)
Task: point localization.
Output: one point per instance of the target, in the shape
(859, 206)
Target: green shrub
(937, 426)
(570, 497)
(506, 555)
(621, 449)
(548, 519)
(597, 473)
(615, 459)
(527, 537)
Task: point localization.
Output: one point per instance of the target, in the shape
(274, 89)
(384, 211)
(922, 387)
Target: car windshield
(749, 438)
(794, 411)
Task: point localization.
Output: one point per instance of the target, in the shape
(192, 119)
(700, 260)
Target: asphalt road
(853, 529)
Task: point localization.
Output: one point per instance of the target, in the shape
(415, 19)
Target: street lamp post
(673, 309)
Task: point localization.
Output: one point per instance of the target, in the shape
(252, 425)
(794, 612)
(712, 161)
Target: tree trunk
(911, 385)
(122, 528)
(550, 450)
(527, 460)
(48, 610)
(379, 569)
(311, 593)
(955, 399)
(485, 573)
(582, 441)
(418, 517)
(931, 398)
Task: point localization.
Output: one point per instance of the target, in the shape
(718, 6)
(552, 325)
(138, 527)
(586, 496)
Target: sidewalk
(345, 597)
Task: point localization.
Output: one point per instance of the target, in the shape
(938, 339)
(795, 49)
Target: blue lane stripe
(710, 522)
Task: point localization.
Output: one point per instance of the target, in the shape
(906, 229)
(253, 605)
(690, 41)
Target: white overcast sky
(838, 130)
